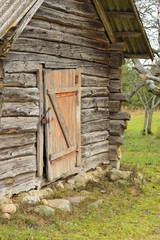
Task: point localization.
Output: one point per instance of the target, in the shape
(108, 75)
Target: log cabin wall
(62, 35)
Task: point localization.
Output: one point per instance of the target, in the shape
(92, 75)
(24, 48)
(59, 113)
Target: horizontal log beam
(15, 152)
(16, 166)
(94, 137)
(15, 140)
(95, 126)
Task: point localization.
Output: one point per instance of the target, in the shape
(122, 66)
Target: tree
(148, 74)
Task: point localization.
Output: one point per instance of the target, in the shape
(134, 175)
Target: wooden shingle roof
(123, 24)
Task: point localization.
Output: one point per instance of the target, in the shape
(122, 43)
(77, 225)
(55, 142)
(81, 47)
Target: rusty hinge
(45, 119)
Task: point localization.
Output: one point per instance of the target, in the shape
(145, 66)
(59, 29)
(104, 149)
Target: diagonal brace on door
(60, 117)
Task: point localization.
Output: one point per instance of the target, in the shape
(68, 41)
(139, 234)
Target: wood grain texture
(16, 166)
(15, 140)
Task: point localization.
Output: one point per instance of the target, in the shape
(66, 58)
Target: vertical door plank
(40, 132)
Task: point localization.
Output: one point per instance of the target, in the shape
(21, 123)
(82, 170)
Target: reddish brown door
(62, 131)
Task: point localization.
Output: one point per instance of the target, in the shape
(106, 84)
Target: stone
(115, 175)
(44, 211)
(31, 200)
(44, 202)
(45, 192)
(96, 204)
(6, 216)
(9, 208)
(62, 204)
(139, 179)
(77, 199)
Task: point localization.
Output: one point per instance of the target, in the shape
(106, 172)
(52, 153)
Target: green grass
(127, 212)
(140, 149)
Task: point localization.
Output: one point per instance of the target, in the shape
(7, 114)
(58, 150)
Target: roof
(120, 19)
(123, 24)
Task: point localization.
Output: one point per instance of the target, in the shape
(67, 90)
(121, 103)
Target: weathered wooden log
(20, 80)
(71, 20)
(118, 97)
(93, 126)
(116, 140)
(14, 185)
(78, 8)
(16, 152)
(115, 73)
(115, 86)
(16, 166)
(86, 33)
(94, 161)
(94, 137)
(61, 50)
(94, 102)
(120, 116)
(60, 36)
(15, 140)
(18, 124)
(20, 109)
(113, 152)
(91, 81)
(21, 66)
(94, 92)
(89, 115)
(95, 148)
(117, 127)
(114, 106)
(14, 94)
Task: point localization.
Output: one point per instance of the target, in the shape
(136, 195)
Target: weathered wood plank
(94, 137)
(94, 92)
(61, 50)
(14, 185)
(16, 166)
(94, 102)
(93, 126)
(40, 127)
(113, 152)
(91, 81)
(15, 152)
(20, 80)
(89, 115)
(15, 94)
(120, 116)
(20, 109)
(95, 148)
(15, 140)
(66, 19)
(78, 8)
(18, 124)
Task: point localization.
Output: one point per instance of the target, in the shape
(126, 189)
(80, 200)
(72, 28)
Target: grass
(126, 213)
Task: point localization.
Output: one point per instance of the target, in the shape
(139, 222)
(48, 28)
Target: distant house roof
(120, 19)
(123, 24)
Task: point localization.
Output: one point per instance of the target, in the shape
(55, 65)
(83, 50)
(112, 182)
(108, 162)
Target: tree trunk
(144, 131)
(149, 125)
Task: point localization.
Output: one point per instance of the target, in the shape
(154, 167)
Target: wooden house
(60, 89)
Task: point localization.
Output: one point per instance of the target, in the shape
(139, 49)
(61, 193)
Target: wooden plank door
(62, 120)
